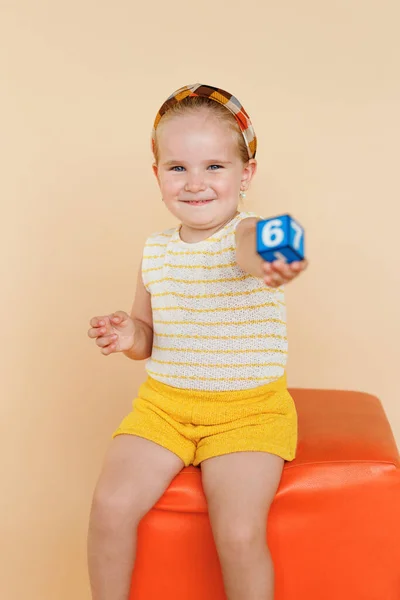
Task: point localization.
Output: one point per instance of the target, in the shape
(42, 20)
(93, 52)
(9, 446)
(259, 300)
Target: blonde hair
(192, 104)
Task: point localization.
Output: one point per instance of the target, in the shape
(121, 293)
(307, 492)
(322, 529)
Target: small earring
(242, 194)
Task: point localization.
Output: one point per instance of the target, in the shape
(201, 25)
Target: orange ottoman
(334, 526)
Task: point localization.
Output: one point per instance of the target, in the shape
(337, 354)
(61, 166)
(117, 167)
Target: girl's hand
(278, 272)
(113, 333)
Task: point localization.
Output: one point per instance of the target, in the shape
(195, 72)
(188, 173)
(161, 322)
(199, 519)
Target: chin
(197, 214)
(199, 223)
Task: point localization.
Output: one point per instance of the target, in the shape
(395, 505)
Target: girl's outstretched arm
(273, 274)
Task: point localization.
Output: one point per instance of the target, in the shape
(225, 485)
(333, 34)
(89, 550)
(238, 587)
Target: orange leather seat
(334, 526)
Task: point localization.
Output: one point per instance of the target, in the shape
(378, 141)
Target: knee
(112, 507)
(241, 538)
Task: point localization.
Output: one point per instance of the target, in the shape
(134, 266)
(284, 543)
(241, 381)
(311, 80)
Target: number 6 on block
(280, 238)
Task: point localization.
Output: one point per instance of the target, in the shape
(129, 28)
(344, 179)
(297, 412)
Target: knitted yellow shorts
(197, 425)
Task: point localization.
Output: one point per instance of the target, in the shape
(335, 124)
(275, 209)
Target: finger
(277, 278)
(266, 266)
(109, 349)
(97, 321)
(282, 268)
(298, 266)
(118, 317)
(106, 340)
(97, 332)
(272, 284)
(273, 280)
(304, 264)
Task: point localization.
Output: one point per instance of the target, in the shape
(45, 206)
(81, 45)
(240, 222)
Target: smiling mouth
(197, 202)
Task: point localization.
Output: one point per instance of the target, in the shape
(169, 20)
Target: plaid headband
(220, 96)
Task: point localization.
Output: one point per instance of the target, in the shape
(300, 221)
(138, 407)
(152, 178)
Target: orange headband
(230, 102)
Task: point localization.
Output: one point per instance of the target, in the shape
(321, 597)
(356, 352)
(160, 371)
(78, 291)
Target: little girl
(209, 316)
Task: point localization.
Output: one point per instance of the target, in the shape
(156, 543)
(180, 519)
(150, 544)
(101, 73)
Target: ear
(249, 170)
(155, 170)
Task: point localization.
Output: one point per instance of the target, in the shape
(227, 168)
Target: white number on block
(272, 233)
(298, 235)
(279, 256)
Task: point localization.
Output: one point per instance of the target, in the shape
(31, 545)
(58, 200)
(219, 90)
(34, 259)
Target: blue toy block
(280, 238)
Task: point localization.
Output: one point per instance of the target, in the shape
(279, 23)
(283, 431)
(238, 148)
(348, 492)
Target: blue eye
(179, 168)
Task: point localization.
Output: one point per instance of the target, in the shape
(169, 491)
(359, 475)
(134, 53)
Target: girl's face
(200, 172)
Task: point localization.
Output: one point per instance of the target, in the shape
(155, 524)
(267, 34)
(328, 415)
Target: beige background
(81, 83)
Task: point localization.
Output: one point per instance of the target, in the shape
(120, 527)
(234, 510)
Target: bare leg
(240, 488)
(136, 472)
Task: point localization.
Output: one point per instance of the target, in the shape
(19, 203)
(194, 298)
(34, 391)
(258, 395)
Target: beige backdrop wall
(81, 83)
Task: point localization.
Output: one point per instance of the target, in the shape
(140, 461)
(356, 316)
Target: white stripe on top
(216, 328)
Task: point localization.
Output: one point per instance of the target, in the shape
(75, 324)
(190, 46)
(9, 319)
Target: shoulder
(244, 218)
(162, 237)
(246, 221)
(155, 242)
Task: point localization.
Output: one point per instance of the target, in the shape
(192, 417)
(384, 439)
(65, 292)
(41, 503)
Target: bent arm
(142, 316)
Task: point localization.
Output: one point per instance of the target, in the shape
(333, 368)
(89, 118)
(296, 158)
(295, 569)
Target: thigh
(241, 486)
(266, 426)
(158, 421)
(136, 473)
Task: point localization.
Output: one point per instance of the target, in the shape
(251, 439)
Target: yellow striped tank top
(216, 328)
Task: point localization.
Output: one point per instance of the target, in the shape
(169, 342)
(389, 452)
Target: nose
(195, 183)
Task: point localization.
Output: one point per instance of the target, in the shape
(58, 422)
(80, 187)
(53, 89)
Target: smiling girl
(208, 316)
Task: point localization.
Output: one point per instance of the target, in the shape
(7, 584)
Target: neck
(192, 236)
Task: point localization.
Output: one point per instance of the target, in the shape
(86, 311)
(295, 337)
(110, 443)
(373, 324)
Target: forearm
(143, 342)
(247, 256)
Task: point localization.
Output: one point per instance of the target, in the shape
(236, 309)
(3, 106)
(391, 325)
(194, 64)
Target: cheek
(169, 184)
(229, 183)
